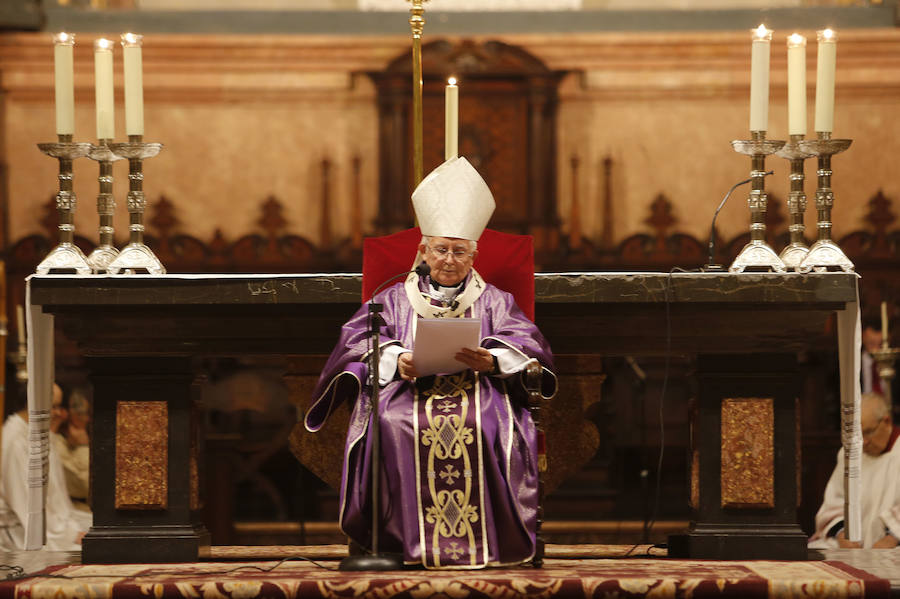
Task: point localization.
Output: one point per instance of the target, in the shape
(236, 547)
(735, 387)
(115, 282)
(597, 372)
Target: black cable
(662, 397)
(712, 227)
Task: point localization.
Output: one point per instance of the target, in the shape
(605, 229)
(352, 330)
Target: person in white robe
(65, 524)
(68, 434)
(880, 484)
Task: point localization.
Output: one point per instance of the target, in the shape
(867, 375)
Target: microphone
(711, 267)
(421, 270)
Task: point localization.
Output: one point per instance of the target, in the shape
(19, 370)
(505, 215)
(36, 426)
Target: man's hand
(406, 368)
(479, 360)
(885, 542)
(77, 436)
(845, 544)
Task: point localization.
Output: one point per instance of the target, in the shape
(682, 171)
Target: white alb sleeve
(387, 366)
(509, 361)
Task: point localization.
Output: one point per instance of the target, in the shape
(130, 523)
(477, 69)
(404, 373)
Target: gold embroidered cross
(446, 406)
(449, 474)
(454, 550)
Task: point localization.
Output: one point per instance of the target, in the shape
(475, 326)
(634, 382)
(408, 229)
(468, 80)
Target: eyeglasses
(442, 252)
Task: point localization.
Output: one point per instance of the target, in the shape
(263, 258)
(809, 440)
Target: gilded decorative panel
(142, 455)
(748, 453)
(695, 479)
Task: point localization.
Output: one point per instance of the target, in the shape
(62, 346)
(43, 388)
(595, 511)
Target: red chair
(504, 260)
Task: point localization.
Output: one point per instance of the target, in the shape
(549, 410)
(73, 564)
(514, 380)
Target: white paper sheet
(439, 339)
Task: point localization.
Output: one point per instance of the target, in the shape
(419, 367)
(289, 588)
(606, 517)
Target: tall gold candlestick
(417, 24)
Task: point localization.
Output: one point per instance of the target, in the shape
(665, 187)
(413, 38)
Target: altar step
(602, 532)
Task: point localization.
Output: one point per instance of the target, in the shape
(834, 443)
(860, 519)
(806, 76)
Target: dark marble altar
(142, 337)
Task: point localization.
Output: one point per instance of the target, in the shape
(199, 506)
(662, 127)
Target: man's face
(58, 413)
(876, 431)
(450, 259)
(871, 339)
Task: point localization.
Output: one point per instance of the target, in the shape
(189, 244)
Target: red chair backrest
(504, 260)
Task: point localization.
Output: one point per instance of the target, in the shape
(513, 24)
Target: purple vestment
(459, 472)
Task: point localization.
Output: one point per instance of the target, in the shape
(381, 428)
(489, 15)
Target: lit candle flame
(103, 44)
(761, 33)
(795, 39)
(827, 35)
(64, 38)
(451, 81)
(131, 39)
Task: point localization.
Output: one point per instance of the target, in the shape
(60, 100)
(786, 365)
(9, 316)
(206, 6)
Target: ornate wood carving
(506, 130)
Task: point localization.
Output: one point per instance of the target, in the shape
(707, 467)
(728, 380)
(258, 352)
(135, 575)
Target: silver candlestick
(825, 253)
(797, 249)
(136, 256)
(105, 252)
(66, 256)
(757, 254)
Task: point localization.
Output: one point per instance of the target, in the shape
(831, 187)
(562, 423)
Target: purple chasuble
(458, 484)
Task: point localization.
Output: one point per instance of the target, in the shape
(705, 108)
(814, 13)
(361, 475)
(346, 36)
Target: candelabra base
(101, 258)
(793, 255)
(136, 257)
(757, 255)
(64, 257)
(823, 256)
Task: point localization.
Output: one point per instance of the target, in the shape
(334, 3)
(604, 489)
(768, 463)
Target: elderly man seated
(65, 525)
(458, 450)
(880, 478)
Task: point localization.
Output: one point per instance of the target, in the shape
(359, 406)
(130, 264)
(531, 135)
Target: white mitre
(453, 201)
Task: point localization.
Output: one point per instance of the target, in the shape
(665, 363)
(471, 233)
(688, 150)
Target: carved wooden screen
(507, 120)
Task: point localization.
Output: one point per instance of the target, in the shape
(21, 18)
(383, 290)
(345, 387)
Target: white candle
(884, 324)
(134, 83)
(759, 79)
(825, 63)
(103, 88)
(64, 82)
(796, 49)
(451, 119)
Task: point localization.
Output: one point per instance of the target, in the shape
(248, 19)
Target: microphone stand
(712, 266)
(375, 560)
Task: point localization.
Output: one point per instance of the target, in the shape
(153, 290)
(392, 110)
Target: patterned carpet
(601, 578)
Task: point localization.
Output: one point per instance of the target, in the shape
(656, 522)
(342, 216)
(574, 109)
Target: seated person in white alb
(69, 423)
(880, 478)
(65, 525)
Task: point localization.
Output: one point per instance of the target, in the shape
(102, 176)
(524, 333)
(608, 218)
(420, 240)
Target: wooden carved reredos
(507, 130)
